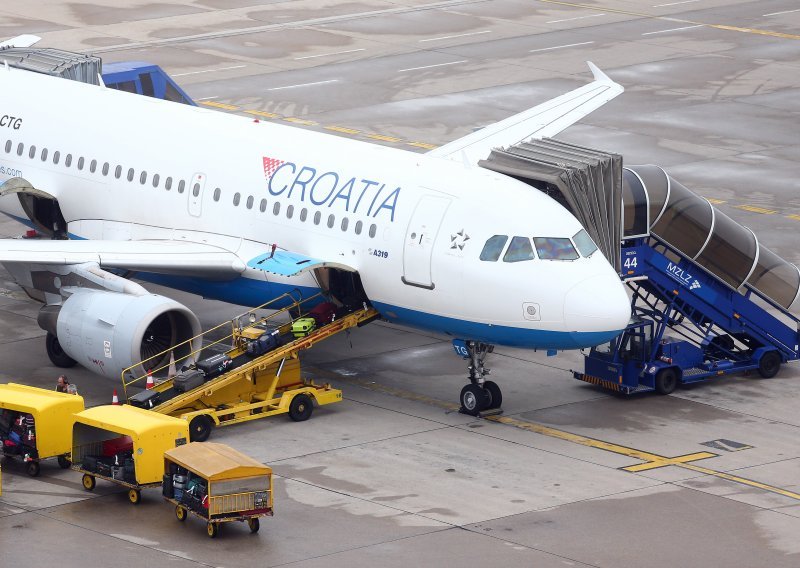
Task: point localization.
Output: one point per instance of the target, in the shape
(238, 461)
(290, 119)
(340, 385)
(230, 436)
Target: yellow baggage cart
(36, 424)
(124, 445)
(218, 484)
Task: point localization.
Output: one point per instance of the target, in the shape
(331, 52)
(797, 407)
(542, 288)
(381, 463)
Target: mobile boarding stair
(707, 298)
(248, 387)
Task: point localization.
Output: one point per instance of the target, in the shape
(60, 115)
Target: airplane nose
(598, 304)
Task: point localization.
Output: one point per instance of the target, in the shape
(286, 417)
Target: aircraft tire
(473, 400)
(495, 395)
(666, 381)
(56, 353)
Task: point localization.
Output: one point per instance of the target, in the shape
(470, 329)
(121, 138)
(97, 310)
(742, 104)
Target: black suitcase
(188, 380)
(89, 463)
(146, 399)
(103, 469)
(215, 365)
(167, 488)
(264, 344)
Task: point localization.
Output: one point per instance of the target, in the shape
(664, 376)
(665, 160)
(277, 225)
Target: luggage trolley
(124, 445)
(218, 484)
(36, 424)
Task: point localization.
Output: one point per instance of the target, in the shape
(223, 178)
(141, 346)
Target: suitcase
(178, 493)
(264, 344)
(215, 365)
(89, 463)
(117, 446)
(188, 380)
(323, 313)
(303, 326)
(177, 478)
(146, 399)
(103, 469)
(167, 489)
(117, 471)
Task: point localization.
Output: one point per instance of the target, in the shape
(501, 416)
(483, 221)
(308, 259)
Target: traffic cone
(172, 371)
(150, 383)
(115, 399)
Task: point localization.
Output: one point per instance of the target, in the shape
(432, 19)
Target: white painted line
(561, 46)
(429, 66)
(454, 36)
(778, 13)
(208, 70)
(675, 3)
(329, 54)
(207, 98)
(304, 85)
(573, 19)
(673, 30)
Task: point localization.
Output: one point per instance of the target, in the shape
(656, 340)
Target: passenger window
(359, 226)
(156, 179)
(118, 172)
(276, 208)
(80, 163)
(519, 250)
(56, 156)
(289, 211)
(168, 184)
(182, 186)
(331, 220)
(584, 243)
(8, 146)
(249, 201)
(130, 174)
(263, 206)
(551, 248)
(20, 148)
(196, 189)
(68, 160)
(493, 247)
(236, 198)
(345, 223)
(93, 166)
(32, 152)
(44, 154)
(303, 214)
(372, 230)
(105, 168)
(317, 217)
(217, 194)
(143, 177)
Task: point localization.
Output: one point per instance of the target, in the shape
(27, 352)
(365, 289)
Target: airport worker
(62, 385)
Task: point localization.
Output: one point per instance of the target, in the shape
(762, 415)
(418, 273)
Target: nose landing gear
(480, 395)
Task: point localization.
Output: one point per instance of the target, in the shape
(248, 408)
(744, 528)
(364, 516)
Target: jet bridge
(56, 62)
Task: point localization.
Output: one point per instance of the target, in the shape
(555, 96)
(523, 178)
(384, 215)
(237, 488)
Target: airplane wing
(25, 40)
(544, 120)
(158, 256)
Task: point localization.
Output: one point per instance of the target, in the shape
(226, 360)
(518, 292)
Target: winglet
(25, 40)
(598, 73)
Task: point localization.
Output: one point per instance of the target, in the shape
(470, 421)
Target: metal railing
(237, 503)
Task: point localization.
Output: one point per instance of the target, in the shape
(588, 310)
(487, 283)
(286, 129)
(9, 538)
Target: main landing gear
(480, 395)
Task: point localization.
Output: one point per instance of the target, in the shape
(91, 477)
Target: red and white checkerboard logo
(270, 165)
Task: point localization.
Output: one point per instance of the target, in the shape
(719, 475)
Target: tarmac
(568, 475)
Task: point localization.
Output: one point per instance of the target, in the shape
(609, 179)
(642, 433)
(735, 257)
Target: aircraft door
(421, 234)
(195, 193)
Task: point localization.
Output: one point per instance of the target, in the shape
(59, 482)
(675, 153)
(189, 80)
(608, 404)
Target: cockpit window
(520, 249)
(552, 248)
(584, 243)
(493, 247)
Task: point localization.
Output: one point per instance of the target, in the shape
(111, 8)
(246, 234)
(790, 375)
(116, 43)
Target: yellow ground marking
(302, 121)
(262, 113)
(715, 201)
(794, 217)
(384, 138)
(755, 209)
(422, 145)
(651, 460)
(604, 9)
(343, 129)
(219, 105)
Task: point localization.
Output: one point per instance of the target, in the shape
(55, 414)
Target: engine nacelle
(107, 332)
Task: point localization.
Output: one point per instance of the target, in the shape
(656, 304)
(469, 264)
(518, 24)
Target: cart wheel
(63, 462)
(134, 496)
(769, 365)
(300, 408)
(200, 428)
(180, 513)
(32, 468)
(88, 482)
(212, 529)
(254, 525)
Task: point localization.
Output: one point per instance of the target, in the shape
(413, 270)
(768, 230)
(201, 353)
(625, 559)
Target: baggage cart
(36, 424)
(217, 484)
(124, 445)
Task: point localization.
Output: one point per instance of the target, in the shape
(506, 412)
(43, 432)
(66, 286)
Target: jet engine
(108, 332)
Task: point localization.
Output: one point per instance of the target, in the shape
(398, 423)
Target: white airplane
(195, 199)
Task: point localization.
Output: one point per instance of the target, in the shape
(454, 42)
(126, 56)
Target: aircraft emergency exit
(242, 211)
